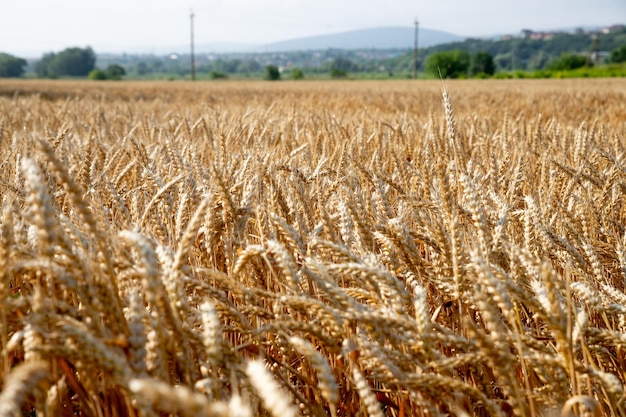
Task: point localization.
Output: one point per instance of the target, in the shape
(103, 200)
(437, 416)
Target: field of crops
(313, 248)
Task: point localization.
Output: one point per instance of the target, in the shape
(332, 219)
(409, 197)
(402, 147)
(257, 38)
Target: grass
(321, 248)
(604, 71)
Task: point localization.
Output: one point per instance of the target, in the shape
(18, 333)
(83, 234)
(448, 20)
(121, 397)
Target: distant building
(612, 29)
(529, 34)
(525, 33)
(538, 35)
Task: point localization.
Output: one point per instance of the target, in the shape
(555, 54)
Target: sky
(29, 28)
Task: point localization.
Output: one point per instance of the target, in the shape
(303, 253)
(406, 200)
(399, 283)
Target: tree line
(460, 64)
(470, 58)
(535, 54)
(70, 62)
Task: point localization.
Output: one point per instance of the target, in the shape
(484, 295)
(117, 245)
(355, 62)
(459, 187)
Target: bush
(448, 64)
(272, 73)
(568, 62)
(614, 70)
(503, 76)
(618, 55)
(217, 75)
(482, 63)
(97, 74)
(543, 74)
(341, 66)
(115, 72)
(338, 73)
(297, 74)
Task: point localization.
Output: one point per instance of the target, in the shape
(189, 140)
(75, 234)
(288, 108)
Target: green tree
(75, 62)
(343, 64)
(229, 66)
(156, 65)
(618, 55)
(297, 74)
(450, 64)
(539, 60)
(72, 62)
(272, 73)
(44, 68)
(11, 66)
(338, 73)
(340, 67)
(115, 72)
(97, 74)
(482, 63)
(568, 62)
(249, 66)
(141, 68)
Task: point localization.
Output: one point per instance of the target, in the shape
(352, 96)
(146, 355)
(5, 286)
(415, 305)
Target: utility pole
(415, 50)
(193, 61)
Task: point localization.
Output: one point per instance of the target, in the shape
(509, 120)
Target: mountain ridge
(383, 37)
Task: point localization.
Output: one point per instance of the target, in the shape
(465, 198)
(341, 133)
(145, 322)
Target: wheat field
(313, 248)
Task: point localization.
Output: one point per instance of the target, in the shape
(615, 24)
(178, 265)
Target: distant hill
(374, 38)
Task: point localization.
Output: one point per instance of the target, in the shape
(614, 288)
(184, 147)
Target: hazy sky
(30, 27)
